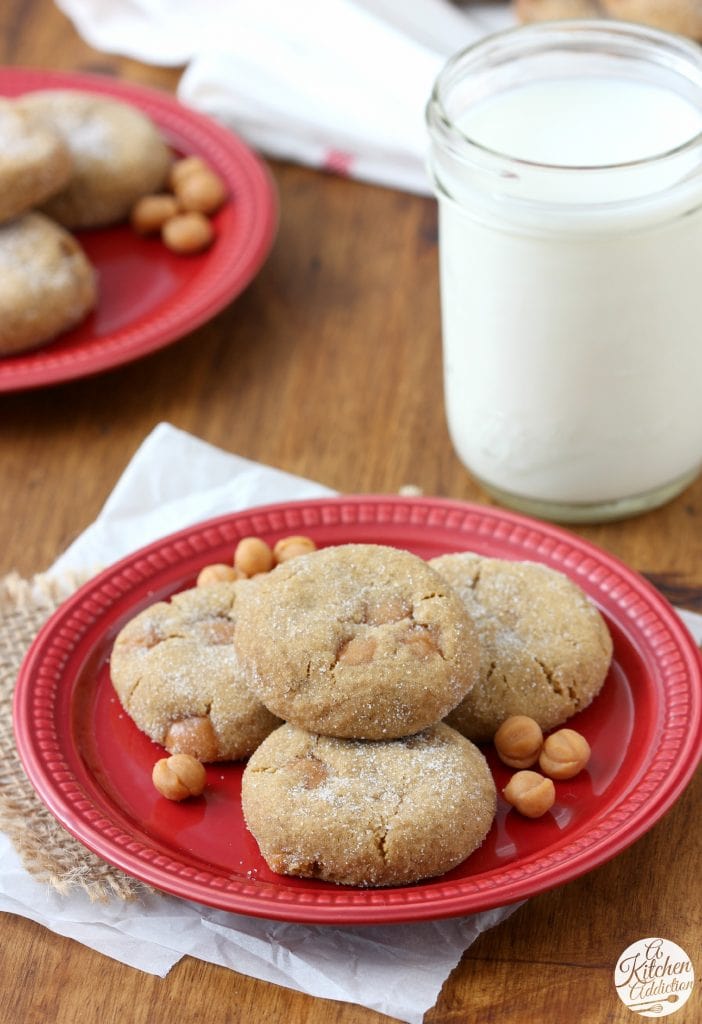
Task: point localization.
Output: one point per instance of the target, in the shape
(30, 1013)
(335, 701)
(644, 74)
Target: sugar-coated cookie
(34, 162)
(47, 284)
(118, 155)
(545, 648)
(360, 640)
(681, 16)
(176, 673)
(555, 10)
(367, 813)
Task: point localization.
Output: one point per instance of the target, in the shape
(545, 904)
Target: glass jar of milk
(567, 161)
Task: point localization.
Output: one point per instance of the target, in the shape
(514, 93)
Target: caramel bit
(359, 650)
(218, 631)
(187, 232)
(421, 641)
(146, 636)
(151, 212)
(218, 572)
(194, 736)
(530, 793)
(253, 556)
(392, 609)
(179, 777)
(565, 753)
(201, 190)
(307, 771)
(183, 168)
(291, 547)
(518, 741)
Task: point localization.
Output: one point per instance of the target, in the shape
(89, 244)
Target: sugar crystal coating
(359, 640)
(545, 648)
(367, 813)
(175, 663)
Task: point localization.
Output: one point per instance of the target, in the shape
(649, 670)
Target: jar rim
(574, 31)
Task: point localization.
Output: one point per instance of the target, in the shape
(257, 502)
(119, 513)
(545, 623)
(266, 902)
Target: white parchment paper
(397, 969)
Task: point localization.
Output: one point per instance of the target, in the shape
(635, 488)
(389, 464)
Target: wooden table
(328, 366)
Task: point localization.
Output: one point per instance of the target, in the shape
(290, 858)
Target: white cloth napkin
(338, 84)
(397, 970)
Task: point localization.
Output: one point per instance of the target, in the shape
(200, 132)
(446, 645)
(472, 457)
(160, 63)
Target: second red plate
(149, 297)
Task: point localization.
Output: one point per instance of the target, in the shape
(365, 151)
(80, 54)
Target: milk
(571, 286)
(575, 122)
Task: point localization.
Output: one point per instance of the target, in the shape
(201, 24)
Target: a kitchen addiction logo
(654, 977)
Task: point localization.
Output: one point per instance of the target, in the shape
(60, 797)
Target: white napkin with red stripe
(336, 84)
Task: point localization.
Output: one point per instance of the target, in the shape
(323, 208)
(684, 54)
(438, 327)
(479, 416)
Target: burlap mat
(47, 851)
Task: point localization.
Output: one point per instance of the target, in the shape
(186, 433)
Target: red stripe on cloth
(337, 161)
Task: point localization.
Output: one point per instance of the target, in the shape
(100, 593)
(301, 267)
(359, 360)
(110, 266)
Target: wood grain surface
(328, 366)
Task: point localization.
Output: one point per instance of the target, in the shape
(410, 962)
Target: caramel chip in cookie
(47, 284)
(359, 640)
(34, 162)
(118, 155)
(545, 648)
(177, 676)
(367, 813)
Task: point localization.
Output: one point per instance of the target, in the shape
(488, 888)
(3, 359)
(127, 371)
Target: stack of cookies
(68, 160)
(362, 650)
(357, 680)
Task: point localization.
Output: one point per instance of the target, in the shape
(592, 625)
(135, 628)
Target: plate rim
(47, 368)
(562, 862)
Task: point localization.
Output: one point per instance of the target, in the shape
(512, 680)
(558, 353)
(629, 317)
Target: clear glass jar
(567, 162)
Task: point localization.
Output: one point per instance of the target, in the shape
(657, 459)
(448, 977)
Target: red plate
(91, 766)
(149, 297)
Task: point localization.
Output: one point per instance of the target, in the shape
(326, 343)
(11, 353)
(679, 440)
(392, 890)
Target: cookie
(367, 813)
(47, 284)
(176, 674)
(545, 648)
(34, 162)
(360, 640)
(555, 10)
(117, 152)
(681, 16)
